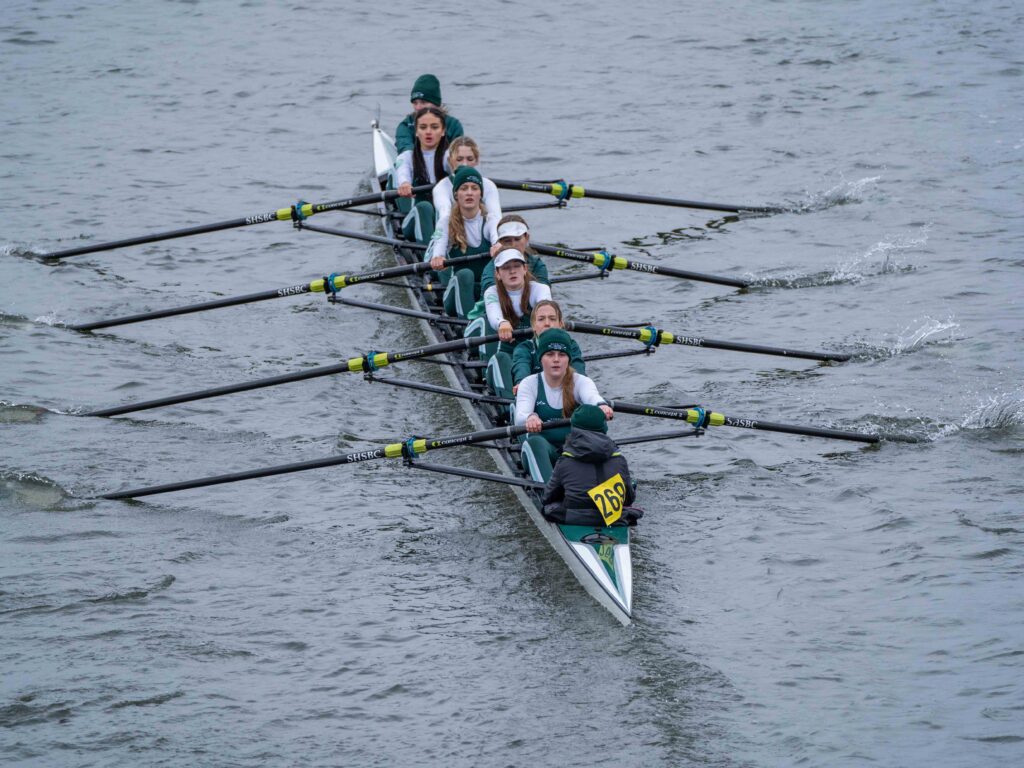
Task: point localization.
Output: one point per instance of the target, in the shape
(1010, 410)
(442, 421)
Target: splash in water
(843, 193)
(880, 259)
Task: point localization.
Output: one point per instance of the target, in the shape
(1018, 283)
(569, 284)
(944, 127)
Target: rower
(425, 163)
(462, 151)
(467, 236)
(426, 91)
(513, 232)
(553, 393)
(590, 484)
(503, 374)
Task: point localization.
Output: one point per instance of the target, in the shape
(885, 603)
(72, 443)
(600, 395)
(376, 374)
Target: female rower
(425, 163)
(468, 237)
(590, 484)
(503, 374)
(426, 91)
(462, 151)
(513, 232)
(553, 393)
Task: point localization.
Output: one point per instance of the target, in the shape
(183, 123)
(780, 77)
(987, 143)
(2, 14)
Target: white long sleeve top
(492, 304)
(403, 166)
(583, 389)
(444, 199)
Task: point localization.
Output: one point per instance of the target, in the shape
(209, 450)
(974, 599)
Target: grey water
(798, 601)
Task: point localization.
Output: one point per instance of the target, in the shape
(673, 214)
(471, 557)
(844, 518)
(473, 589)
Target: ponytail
(568, 393)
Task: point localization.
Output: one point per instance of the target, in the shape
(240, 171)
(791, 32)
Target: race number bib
(610, 498)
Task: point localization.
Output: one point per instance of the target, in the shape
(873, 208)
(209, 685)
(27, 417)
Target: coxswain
(590, 484)
(426, 91)
(525, 359)
(512, 232)
(425, 163)
(462, 151)
(551, 394)
(467, 236)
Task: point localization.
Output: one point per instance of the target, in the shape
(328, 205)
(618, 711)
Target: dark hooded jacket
(588, 459)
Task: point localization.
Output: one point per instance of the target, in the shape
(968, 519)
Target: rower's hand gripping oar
(564, 191)
(296, 213)
(607, 262)
(328, 284)
(703, 418)
(409, 450)
(652, 337)
(368, 363)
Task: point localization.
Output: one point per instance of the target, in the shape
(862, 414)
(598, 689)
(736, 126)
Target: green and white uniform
(405, 133)
(462, 289)
(540, 451)
(419, 223)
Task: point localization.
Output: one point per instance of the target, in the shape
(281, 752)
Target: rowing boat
(599, 557)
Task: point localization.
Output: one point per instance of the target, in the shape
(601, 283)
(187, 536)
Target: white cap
(512, 229)
(509, 254)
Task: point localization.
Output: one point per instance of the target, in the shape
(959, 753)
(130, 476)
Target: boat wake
(880, 259)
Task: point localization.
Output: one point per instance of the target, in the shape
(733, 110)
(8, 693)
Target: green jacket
(405, 133)
(525, 360)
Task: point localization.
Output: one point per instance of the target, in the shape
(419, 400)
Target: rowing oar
(654, 337)
(409, 449)
(562, 191)
(296, 212)
(704, 418)
(332, 283)
(607, 262)
(368, 363)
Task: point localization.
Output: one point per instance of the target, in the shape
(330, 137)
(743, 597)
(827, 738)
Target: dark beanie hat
(553, 339)
(589, 417)
(464, 174)
(427, 88)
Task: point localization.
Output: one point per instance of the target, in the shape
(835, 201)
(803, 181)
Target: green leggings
(538, 457)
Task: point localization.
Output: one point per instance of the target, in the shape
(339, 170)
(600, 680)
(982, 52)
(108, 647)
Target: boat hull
(599, 558)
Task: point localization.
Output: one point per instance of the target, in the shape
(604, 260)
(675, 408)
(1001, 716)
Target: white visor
(512, 229)
(509, 254)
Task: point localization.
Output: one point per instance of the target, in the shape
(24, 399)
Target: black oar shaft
(204, 306)
(721, 420)
(365, 236)
(664, 337)
(391, 451)
(352, 365)
(561, 190)
(281, 214)
(316, 286)
(609, 261)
